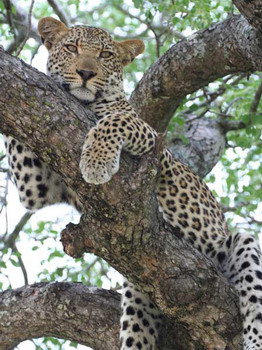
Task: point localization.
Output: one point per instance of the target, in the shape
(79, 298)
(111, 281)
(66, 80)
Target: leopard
(89, 64)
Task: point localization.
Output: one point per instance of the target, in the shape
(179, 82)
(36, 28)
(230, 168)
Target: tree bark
(129, 234)
(252, 11)
(89, 316)
(202, 134)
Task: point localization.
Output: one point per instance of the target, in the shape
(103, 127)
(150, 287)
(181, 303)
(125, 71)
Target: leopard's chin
(83, 94)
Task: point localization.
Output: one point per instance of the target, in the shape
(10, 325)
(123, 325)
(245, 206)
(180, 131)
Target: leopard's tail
(140, 321)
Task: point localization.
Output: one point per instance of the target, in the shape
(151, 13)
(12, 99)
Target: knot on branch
(72, 240)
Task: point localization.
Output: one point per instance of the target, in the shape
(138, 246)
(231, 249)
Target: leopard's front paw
(96, 170)
(99, 162)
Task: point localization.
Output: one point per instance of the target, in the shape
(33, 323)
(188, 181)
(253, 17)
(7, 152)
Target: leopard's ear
(50, 30)
(129, 49)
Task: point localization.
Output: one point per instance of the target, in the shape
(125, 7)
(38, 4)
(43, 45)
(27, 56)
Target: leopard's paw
(100, 158)
(96, 170)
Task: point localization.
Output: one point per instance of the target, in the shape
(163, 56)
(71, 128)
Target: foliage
(160, 24)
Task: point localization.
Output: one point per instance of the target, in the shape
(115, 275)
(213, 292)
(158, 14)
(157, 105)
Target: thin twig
(21, 263)
(92, 264)
(256, 100)
(252, 220)
(35, 52)
(4, 198)
(158, 42)
(59, 11)
(6, 216)
(12, 47)
(10, 241)
(233, 209)
(231, 104)
(9, 16)
(211, 97)
(229, 125)
(28, 29)
(130, 15)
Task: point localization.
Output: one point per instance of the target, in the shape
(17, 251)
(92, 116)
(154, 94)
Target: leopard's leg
(99, 162)
(37, 184)
(140, 320)
(104, 143)
(241, 263)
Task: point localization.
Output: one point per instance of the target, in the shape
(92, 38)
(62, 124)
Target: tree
(130, 234)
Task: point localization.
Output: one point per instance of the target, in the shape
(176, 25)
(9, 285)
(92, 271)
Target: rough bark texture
(228, 47)
(206, 144)
(129, 234)
(71, 311)
(252, 10)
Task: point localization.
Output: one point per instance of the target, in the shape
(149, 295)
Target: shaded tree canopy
(205, 92)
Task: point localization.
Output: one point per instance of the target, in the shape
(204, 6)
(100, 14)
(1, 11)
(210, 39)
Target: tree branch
(228, 124)
(256, 100)
(131, 235)
(228, 47)
(252, 11)
(10, 241)
(27, 30)
(60, 12)
(89, 316)
(19, 24)
(205, 144)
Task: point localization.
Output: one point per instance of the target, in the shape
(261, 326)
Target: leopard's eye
(71, 48)
(106, 54)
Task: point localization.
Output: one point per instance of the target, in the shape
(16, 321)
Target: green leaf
(2, 264)
(59, 271)
(14, 262)
(256, 118)
(246, 118)
(13, 10)
(73, 344)
(138, 3)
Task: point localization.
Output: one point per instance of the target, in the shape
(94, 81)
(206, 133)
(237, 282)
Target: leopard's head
(86, 60)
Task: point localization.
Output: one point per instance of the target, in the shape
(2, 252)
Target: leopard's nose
(86, 74)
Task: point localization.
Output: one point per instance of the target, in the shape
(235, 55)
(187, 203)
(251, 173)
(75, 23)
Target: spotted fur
(37, 184)
(88, 63)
